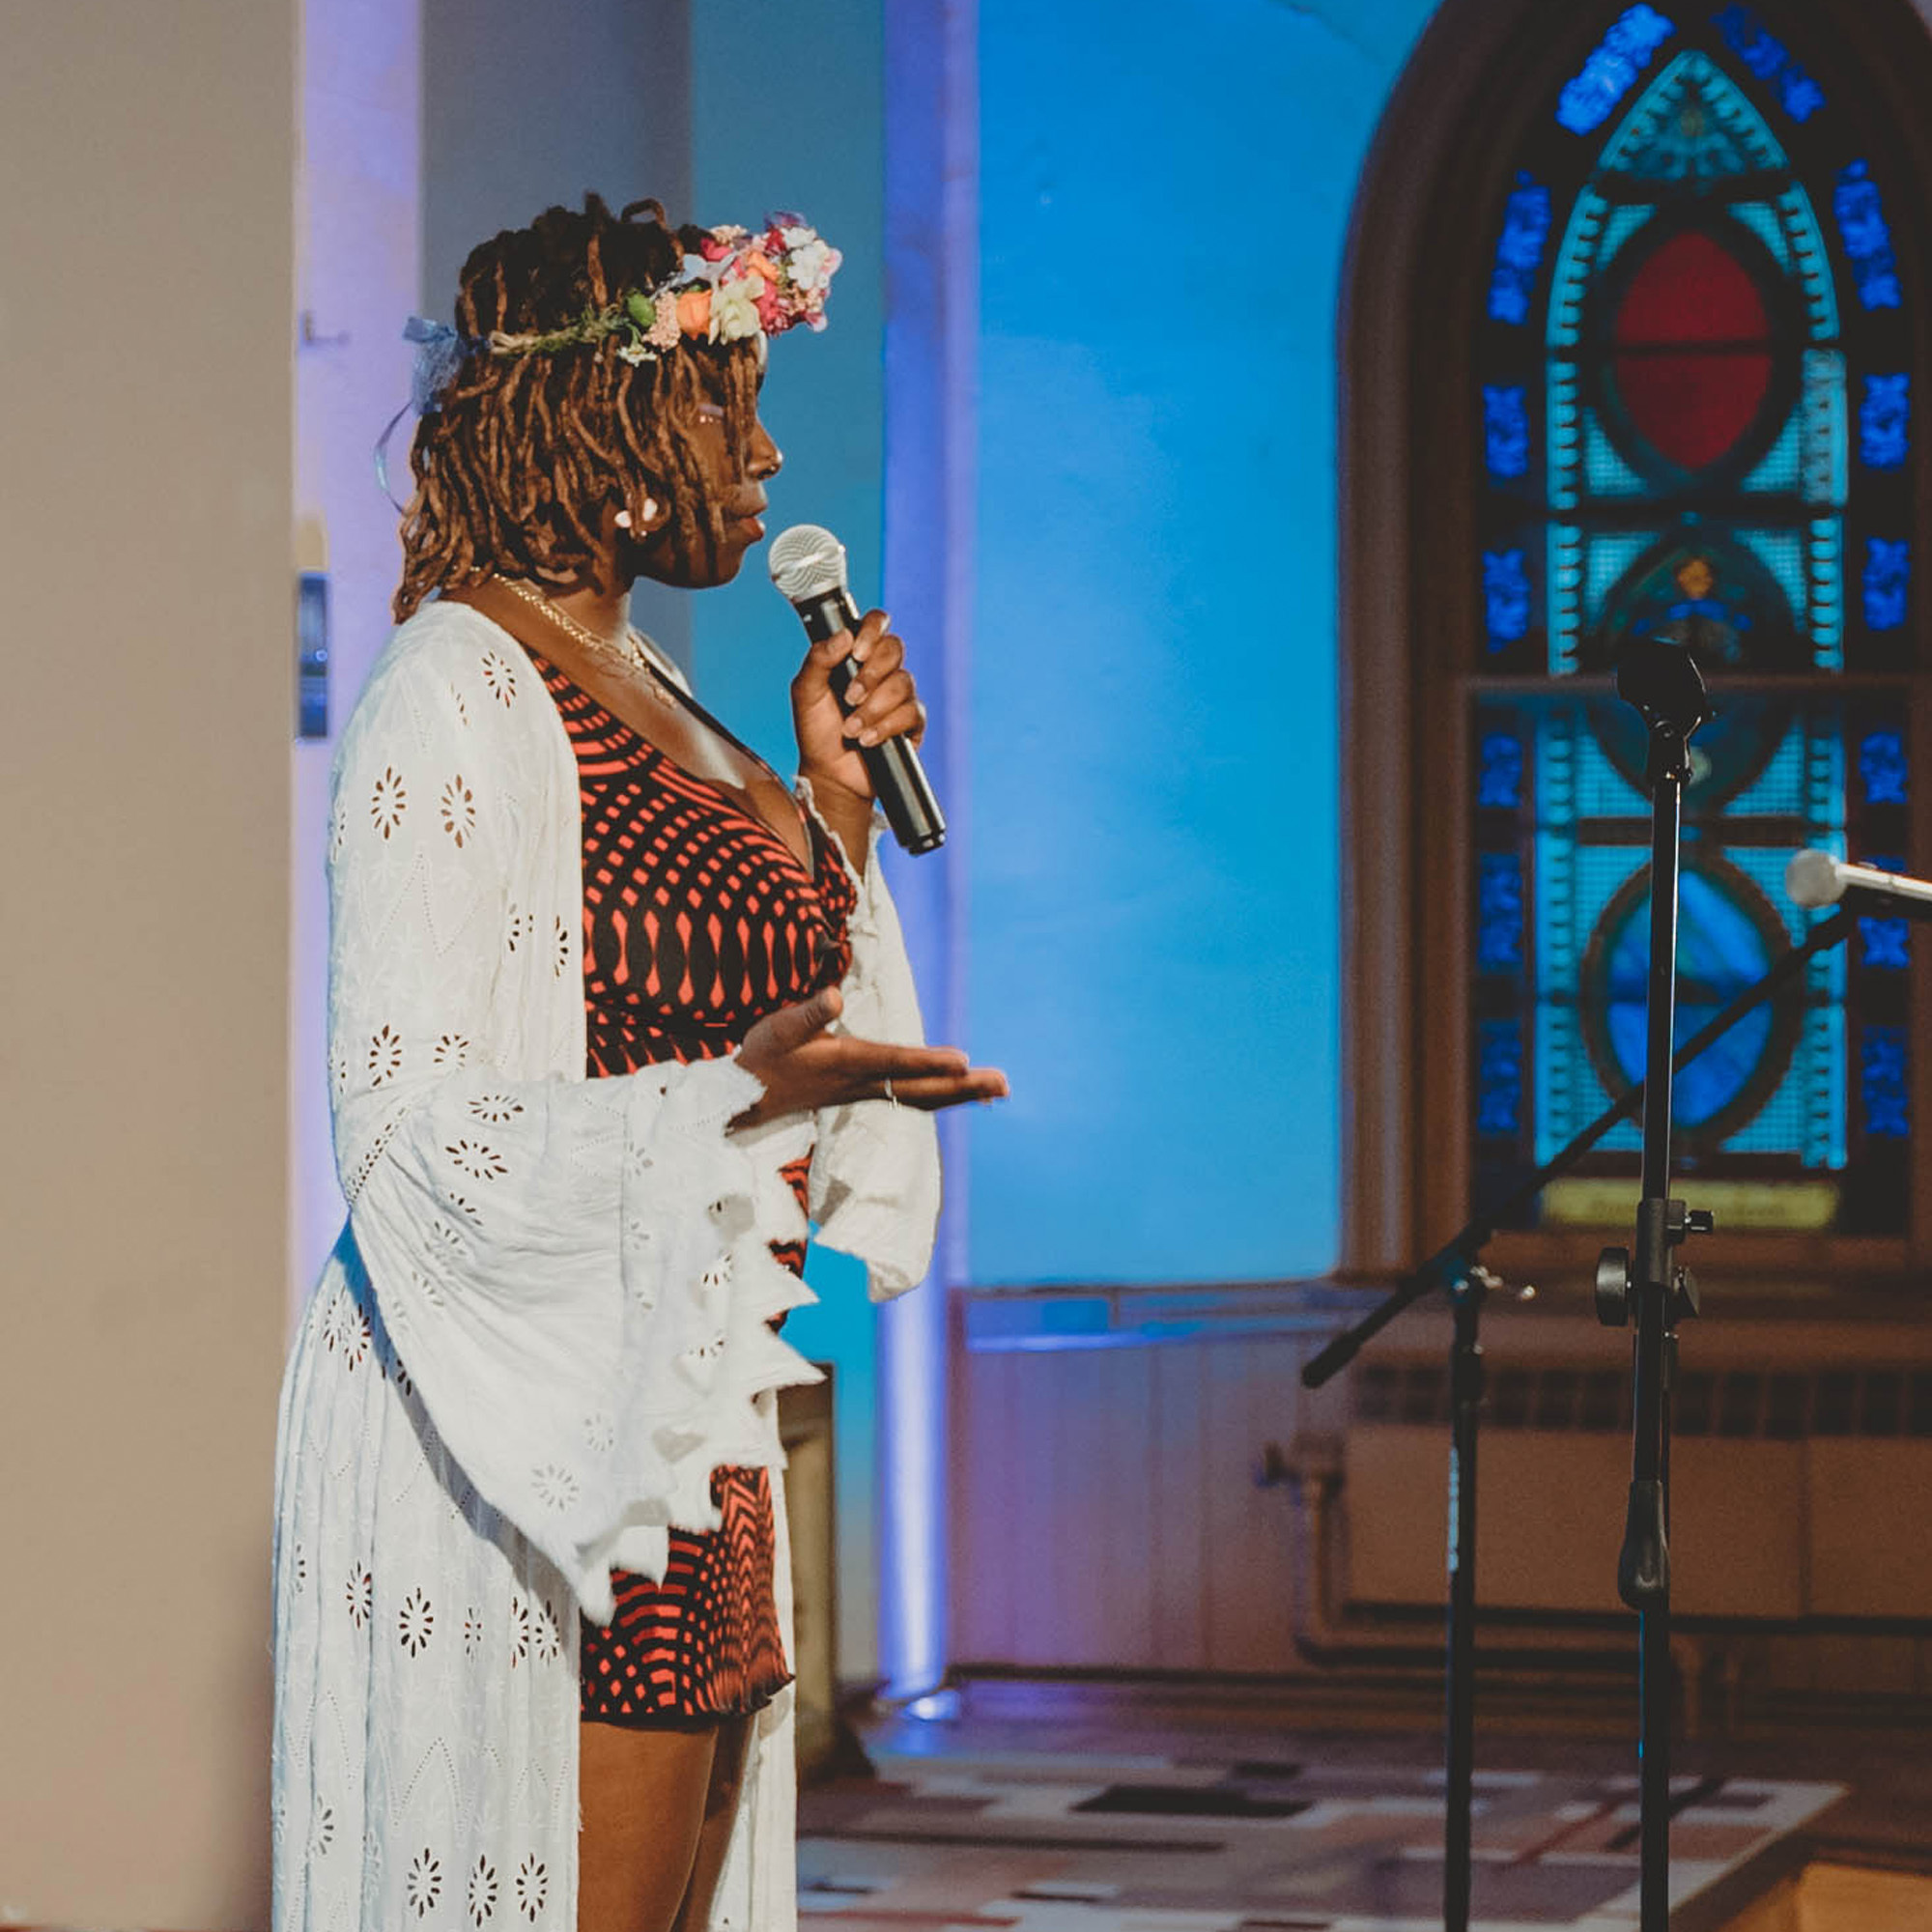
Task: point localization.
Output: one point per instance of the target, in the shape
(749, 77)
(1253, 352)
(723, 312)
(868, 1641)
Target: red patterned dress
(698, 921)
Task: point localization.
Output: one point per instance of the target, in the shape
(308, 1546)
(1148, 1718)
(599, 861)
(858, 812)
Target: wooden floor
(1202, 1806)
(1826, 1897)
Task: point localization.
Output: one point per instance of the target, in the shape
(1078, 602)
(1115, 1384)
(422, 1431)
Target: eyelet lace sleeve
(875, 1185)
(578, 1273)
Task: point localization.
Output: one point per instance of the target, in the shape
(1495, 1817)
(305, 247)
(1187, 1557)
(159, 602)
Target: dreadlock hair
(514, 471)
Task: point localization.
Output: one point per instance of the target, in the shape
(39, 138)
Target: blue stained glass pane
(1499, 775)
(1867, 238)
(1766, 757)
(1782, 470)
(1801, 96)
(1606, 559)
(1782, 553)
(1719, 951)
(1506, 596)
(1693, 123)
(1883, 1061)
(1882, 767)
(1824, 415)
(1887, 574)
(1762, 219)
(1612, 68)
(1606, 473)
(1885, 419)
(1506, 430)
(1778, 790)
(1884, 942)
(1767, 57)
(1498, 1078)
(1499, 912)
(1519, 249)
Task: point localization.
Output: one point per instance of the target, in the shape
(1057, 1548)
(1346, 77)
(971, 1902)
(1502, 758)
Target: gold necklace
(631, 651)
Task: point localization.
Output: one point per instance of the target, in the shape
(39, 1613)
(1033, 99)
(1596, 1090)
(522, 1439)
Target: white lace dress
(545, 1323)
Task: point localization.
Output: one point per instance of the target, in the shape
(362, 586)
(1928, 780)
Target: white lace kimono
(544, 1326)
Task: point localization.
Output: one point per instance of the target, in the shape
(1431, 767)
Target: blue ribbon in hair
(440, 353)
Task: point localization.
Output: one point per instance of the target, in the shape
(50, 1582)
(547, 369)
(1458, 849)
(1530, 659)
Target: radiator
(1795, 1494)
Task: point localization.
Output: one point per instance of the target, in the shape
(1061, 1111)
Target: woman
(586, 957)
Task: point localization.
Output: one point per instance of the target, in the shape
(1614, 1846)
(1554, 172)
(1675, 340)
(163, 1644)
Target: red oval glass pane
(1692, 409)
(1693, 343)
(1691, 290)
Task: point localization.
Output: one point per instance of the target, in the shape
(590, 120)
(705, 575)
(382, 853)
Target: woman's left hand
(886, 707)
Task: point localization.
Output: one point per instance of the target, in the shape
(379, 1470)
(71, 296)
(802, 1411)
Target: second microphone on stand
(1815, 879)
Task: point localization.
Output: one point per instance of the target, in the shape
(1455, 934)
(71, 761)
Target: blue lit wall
(786, 111)
(1164, 194)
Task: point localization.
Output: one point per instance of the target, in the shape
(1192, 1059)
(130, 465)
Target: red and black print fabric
(698, 921)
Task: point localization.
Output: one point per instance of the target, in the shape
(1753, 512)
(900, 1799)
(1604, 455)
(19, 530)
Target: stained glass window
(1695, 410)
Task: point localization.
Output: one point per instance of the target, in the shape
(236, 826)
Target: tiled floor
(1045, 1810)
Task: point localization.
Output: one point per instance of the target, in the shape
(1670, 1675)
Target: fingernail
(863, 649)
(852, 727)
(868, 736)
(855, 692)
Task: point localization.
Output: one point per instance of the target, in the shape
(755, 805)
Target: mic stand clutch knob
(1663, 1230)
(1613, 1287)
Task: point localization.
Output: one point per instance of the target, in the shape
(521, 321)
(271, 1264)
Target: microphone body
(1815, 879)
(899, 779)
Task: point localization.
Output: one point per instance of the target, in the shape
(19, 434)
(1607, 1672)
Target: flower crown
(737, 286)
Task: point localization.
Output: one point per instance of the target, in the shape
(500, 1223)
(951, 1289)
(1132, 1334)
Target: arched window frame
(1421, 257)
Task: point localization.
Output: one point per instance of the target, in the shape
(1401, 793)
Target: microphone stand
(1456, 1268)
(1662, 682)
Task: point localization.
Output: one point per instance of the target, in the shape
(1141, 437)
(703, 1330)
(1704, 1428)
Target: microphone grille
(1812, 879)
(807, 561)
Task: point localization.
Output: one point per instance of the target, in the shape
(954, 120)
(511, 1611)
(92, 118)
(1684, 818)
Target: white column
(359, 243)
(932, 341)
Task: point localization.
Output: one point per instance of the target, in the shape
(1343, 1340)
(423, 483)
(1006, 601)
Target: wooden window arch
(1451, 633)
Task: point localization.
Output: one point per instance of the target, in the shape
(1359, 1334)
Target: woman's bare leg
(644, 1796)
(721, 1805)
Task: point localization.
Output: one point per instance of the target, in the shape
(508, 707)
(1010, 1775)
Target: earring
(623, 520)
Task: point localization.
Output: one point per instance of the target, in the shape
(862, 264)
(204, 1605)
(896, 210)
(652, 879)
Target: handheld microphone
(1817, 879)
(808, 566)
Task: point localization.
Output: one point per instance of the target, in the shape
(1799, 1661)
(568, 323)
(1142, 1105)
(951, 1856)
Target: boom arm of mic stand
(1457, 1255)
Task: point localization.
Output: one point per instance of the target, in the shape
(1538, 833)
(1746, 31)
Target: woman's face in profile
(731, 484)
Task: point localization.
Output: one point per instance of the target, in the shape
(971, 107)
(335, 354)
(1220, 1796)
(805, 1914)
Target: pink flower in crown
(772, 317)
(719, 242)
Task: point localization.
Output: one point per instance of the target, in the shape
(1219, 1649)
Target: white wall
(356, 284)
(145, 391)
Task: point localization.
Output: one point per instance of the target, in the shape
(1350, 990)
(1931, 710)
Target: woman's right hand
(804, 1068)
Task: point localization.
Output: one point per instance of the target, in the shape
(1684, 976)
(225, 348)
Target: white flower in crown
(808, 260)
(734, 309)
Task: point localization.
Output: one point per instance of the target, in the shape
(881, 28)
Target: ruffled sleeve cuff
(875, 1182)
(592, 1354)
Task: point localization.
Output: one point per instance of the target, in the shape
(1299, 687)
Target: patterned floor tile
(964, 1829)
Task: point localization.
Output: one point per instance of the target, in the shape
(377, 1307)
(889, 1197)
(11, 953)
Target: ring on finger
(890, 1094)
